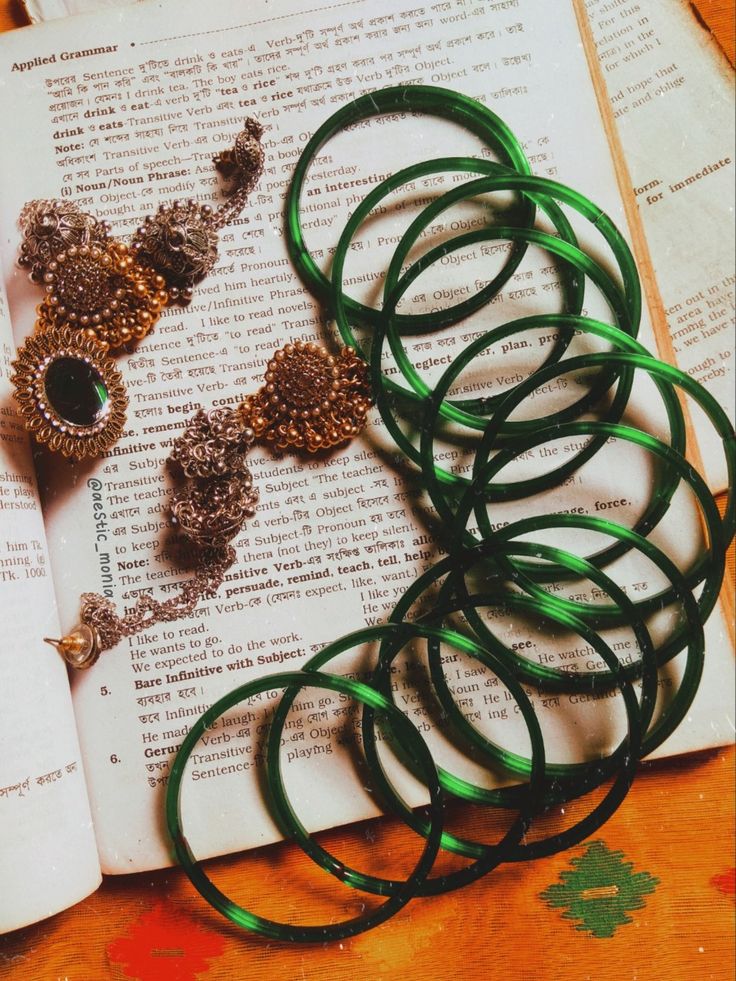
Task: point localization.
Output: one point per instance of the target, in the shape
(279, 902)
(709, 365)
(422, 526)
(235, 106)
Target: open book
(123, 110)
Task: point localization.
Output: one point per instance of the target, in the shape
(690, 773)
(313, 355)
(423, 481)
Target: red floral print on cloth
(165, 945)
(725, 882)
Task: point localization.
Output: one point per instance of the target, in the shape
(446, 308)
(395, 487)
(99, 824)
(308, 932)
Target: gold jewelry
(51, 227)
(70, 394)
(81, 648)
(310, 401)
(105, 292)
(110, 295)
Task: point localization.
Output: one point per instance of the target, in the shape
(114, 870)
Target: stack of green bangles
(487, 568)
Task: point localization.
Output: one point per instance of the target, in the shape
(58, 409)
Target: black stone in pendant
(75, 391)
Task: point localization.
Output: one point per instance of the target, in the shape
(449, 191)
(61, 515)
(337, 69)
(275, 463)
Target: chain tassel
(100, 613)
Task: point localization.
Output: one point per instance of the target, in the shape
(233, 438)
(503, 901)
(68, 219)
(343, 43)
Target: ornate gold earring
(70, 394)
(105, 295)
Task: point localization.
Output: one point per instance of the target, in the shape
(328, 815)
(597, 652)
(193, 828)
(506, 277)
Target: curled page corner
(42, 10)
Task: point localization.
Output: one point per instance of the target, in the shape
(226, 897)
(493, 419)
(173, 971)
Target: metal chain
(231, 208)
(244, 164)
(101, 614)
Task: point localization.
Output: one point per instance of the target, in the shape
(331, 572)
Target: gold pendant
(310, 399)
(103, 291)
(71, 395)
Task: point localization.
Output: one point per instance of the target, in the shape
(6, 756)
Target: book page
(127, 115)
(672, 95)
(662, 70)
(48, 858)
(39, 10)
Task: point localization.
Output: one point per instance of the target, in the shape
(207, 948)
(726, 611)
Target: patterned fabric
(165, 944)
(725, 882)
(599, 890)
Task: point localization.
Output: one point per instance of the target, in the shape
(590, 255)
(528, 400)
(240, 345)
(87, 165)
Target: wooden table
(671, 845)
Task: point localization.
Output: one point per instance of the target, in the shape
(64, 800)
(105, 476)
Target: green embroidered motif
(600, 890)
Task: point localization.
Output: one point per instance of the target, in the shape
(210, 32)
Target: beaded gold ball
(104, 292)
(213, 443)
(180, 242)
(50, 227)
(310, 399)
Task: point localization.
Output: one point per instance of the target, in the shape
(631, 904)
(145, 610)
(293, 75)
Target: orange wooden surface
(677, 824)
(718, 15)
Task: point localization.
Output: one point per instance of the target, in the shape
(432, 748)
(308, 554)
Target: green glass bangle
(622, 762)
(481, 488)
(455, 593)
(664, 375)
(425, 99)
(454, 596)
(692, 631)
(456, 515)
(572, 284)
(555, 246)
(576, 784)
(594, 614)
(626, 305)
(538, 189)
(713, 563)
(497, 548)
(619, 303)
(455, 590)
(412, 744)
(485, 857)
(711, 567)
(564, 780)
(501, 426)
